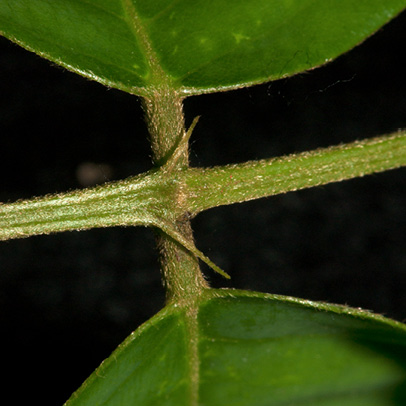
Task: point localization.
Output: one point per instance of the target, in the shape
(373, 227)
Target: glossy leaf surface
(245, 349)
(192, 46)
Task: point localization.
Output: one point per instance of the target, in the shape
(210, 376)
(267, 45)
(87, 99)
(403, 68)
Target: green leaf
(241, 348)
(192, 46)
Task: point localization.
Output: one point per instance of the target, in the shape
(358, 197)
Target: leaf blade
(255, 42)
(198, 47)
(72, 34)
(126, 363)
(262, 349)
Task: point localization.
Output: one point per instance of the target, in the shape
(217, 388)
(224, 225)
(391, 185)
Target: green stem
(229, 184)
(165, 198)
(134, 201)
(182, 277)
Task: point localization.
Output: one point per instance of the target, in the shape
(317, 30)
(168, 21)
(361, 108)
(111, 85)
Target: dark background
(67, 300)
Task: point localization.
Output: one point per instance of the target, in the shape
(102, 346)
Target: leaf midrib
(193, 351)
(158, 78)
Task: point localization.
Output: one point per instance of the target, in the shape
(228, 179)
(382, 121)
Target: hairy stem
(180, 268)
(165, 198)
(134, 201)
(229, 184)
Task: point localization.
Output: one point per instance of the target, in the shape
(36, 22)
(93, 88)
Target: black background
(67, 300)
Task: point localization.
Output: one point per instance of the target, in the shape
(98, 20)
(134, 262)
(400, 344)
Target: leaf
(191, 46)
(242, 348)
